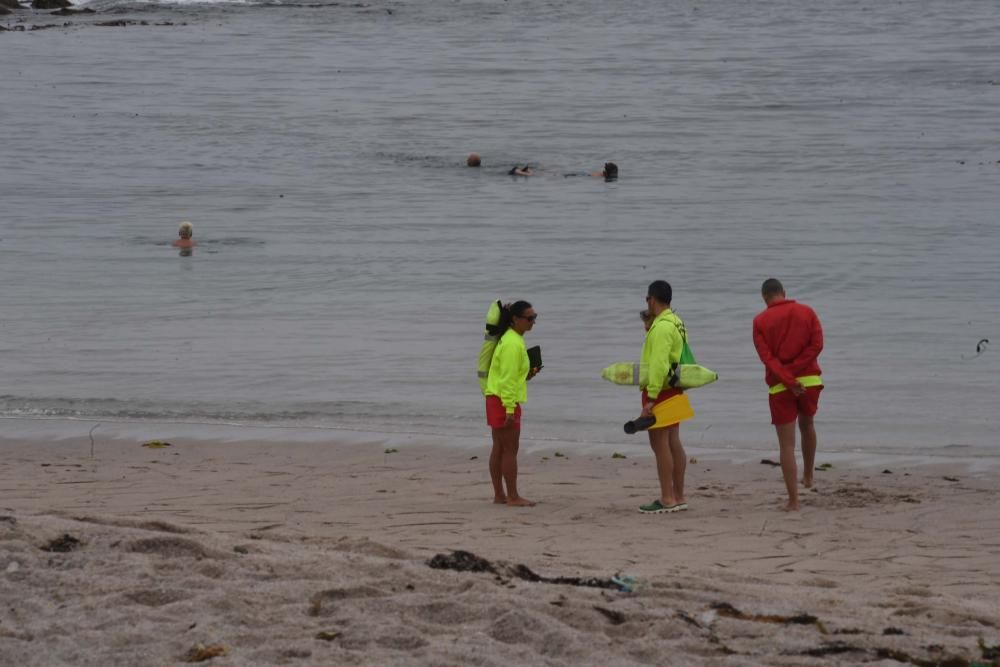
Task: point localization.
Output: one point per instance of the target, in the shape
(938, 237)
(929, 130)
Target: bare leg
(499, 497)
(511, 440)
(786, 441)
(808, 430)
(659, 441)
(680, 460)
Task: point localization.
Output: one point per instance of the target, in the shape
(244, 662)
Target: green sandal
(656, 507)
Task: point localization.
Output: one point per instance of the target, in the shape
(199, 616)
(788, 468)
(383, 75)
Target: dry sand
(254, 550)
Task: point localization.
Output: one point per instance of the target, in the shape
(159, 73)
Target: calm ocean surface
(347, 256)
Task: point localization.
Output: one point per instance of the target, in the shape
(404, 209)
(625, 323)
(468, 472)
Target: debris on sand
(152, 444)
(729, 611)
(63, 544)
(461, 561)
(989, 652)
(616, 617)
(464, 561)
(202, 652)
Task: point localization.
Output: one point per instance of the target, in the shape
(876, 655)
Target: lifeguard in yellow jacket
(506, 391)
(662, 348)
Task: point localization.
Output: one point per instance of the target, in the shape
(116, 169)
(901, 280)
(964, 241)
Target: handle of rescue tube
(640, 424)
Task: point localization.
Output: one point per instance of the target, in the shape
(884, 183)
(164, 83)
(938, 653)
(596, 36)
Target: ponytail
(507, 314)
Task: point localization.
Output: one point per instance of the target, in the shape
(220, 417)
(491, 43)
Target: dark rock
(10, 4)
(50, 4)
(121, 23)
(4, 10)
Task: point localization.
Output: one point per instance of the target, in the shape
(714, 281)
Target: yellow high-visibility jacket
(661, 349)
(508, 376)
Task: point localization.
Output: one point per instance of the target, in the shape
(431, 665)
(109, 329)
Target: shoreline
(59, 429)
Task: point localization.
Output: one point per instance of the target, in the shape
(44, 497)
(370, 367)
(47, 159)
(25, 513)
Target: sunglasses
(530, 318)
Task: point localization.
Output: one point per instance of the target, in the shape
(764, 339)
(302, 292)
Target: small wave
(428, 161)
(115, 409)
(231, 241)
(154, 5)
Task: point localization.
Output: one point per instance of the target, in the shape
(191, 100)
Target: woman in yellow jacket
(506, 390)
(661, 349)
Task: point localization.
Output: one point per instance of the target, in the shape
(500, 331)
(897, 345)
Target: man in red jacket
(789, 338)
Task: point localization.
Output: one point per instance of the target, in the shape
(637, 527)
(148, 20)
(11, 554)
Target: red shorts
(662, 396)
(786, 406)
(496, 413)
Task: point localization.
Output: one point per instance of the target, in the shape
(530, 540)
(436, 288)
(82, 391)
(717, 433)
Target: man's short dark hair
(661, 291)
(610, 171)
(772, 287)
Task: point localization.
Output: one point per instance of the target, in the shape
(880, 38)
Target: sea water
(347, 257)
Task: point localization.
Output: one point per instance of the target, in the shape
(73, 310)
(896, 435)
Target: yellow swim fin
(674, 410)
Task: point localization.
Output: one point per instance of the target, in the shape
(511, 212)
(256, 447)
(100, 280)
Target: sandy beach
(244, 553)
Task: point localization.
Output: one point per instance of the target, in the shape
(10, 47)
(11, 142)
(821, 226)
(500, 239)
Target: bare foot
(520, 502)
(807, 482)
(791, 507)
(500, 500)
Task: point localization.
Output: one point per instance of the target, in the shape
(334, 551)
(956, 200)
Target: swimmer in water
(518, 170)
(185, 232)
(609, 173)
(473, 160)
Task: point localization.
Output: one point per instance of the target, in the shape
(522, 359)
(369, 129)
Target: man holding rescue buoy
(506, 389)
(661, 351)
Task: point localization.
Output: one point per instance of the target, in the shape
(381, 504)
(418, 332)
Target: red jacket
(788, 338)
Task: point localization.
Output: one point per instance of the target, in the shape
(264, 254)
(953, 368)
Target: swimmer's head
(610, 171)
(186, 230)
(473, 160)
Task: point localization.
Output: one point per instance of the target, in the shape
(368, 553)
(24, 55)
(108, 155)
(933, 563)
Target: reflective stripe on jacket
(806, 381)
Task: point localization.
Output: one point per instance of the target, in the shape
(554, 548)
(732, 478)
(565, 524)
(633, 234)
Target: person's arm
(809, 353)
(770, 361)
(507, 364)
(667, 338)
